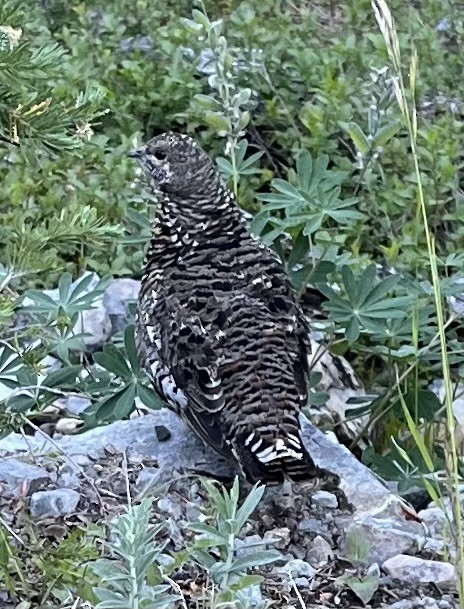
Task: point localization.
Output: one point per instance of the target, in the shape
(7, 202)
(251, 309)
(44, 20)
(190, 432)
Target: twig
(86, 477)
(297, 592)
(177, 588)
(11, 531)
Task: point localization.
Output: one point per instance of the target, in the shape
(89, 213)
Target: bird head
(176, 164)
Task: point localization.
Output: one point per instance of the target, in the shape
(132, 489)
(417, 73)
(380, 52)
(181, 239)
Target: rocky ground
(350, 544)
(69, 482)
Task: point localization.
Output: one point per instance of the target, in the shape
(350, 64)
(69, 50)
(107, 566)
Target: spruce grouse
(219, 329)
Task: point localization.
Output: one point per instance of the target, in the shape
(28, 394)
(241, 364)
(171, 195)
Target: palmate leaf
(112, 360)
(364, 305)
(310, 205)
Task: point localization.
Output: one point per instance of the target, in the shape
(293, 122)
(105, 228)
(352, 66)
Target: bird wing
(277, 294)
(191, 350)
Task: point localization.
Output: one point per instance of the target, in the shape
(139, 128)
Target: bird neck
(183, 221)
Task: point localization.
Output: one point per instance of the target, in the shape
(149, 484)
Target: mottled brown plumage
(219, 328)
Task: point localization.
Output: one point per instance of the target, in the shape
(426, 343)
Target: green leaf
(125, 402)
(248, 506)
(63, 376)
(304, 166)
(287, 189)
(353, 330)
(357, 136)
(382, 288)
(364, 587)
(218, 122)
(384, 135)
(149, 397)
(255, 559)
(131, 350)
(366, 283)
(112, 360)
(64, 286)
(350, 284)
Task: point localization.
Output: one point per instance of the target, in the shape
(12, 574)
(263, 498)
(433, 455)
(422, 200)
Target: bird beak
(137, 153)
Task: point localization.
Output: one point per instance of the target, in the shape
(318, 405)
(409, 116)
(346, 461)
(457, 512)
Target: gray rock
(319, 553)
(183, 450)
(436, 521)
(403, 604)
(73, 404)
(165, 560)
(95, 324)
(58, 502)
(443, 26)
(148, 479)
(171, 507)
(302, 582)
(15, 473)
(325, 500)
(192, 512)
(298, 568)
(378, 539)
(339, 381)
(136, 43)
(116, 299)
(49, 364)
(363, 491)
(412, 570)
(281, 536)
(313, 526)
(67, 478)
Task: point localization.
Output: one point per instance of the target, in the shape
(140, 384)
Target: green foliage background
(315, 150)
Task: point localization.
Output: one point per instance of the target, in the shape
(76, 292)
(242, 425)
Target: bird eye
(160, 155)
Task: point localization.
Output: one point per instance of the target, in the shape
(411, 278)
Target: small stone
(298, 568)
(319, 553)
(427, 602)
(302, 582)
(51, 410)
(162, 433)
(173, 508)
(312, 525)
(68, 426)
(325, 499)
(281, 535)
(435, 520)
(411, 569)
(15, 473)
(192, 512)
(403, 604)
(175, 533)
(148, 478)
(58, 502)
(67, 478)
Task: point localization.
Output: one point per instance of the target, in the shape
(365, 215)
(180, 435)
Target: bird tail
(272, 459)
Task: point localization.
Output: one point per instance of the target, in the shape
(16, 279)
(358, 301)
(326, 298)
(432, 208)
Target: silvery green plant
(134, 551)
(382, 124)
(229, 571)
(226, 109)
